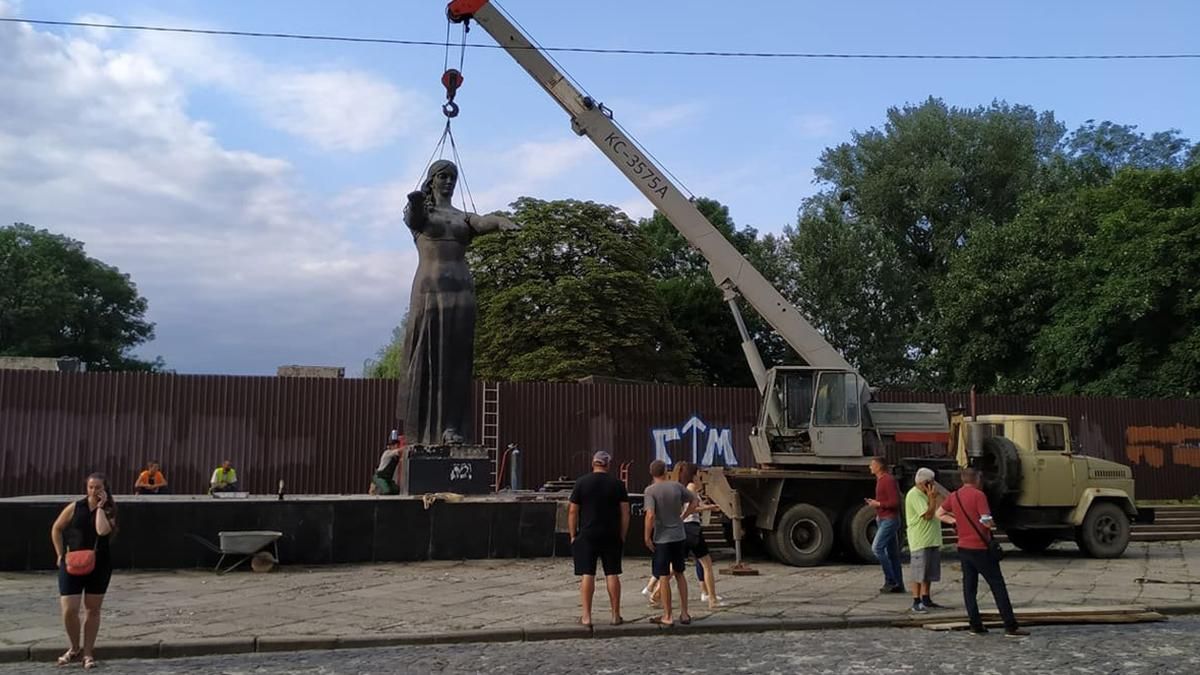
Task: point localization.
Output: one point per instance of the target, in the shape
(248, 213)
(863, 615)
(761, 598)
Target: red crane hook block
(459, 10)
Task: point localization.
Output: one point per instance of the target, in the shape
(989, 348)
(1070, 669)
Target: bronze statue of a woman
(439, 339)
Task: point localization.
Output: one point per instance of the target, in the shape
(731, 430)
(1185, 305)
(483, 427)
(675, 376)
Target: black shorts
(95, 583)
(669, 557)
(695, 540)
(586, 550)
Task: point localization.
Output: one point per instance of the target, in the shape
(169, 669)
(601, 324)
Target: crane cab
(811, 415)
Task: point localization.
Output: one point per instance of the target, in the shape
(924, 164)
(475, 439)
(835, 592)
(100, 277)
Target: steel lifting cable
(452, 79)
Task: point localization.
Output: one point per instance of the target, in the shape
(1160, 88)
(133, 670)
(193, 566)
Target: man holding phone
(887, 515)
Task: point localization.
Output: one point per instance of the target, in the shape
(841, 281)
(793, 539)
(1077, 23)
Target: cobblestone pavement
(489, 594)
(1170, 647)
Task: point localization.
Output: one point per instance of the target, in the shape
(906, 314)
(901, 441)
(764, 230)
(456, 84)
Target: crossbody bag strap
(970, 520)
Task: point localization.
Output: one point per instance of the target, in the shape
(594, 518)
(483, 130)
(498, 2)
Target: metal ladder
(491, 423)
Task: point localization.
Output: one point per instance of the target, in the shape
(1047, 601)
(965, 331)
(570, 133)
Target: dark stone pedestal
(464, 469)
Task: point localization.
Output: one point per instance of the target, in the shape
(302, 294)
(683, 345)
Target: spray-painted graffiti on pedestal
(695, 441)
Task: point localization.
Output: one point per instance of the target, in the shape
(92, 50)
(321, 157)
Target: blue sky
(252, 187)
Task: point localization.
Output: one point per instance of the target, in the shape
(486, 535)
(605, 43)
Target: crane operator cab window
(798, 388)
(837, 400)
(803, 399)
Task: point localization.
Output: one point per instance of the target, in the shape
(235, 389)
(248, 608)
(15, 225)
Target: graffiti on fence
(708, 445)
(1159, 446)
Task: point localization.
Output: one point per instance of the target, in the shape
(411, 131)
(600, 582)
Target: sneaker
(930, 604)
(888, 588)
(704, 597)
(918, 608)
(646, 591)
(1016, 633)
(978, 631)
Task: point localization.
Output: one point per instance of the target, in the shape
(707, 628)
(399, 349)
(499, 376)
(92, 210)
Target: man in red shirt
(887, 515)
(968, 511)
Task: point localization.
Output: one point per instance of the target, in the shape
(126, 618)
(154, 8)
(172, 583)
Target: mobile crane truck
(818, 425)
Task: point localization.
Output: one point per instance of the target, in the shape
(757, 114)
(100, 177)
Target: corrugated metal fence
(325, 435)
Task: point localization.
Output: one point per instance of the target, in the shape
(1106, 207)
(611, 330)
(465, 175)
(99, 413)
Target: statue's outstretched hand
(507, 225)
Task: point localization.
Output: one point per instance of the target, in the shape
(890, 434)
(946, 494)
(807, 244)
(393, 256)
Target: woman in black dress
(84, 525)
(439, 340)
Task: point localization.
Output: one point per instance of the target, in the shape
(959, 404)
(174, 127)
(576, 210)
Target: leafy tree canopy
(55, 301)
(571, 295)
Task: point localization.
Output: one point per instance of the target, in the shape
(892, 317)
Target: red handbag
(81, 563)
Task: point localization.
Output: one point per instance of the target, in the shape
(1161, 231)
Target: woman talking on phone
(80, 535)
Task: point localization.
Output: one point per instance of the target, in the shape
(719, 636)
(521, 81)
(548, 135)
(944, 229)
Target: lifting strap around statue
(452, 79)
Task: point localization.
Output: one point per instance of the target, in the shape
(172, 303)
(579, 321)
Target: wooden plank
(1141, 617)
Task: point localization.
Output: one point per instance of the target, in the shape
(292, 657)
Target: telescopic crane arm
(729, 268)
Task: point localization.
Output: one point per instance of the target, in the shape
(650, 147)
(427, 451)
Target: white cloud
(643, 118)
(530, 169)
(331, 107)
(96, 143)
(813, 125)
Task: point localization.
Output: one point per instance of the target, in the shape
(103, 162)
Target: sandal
(686, 621)
(618, 621)
(89, 662)
(69, 657)
(659, 620)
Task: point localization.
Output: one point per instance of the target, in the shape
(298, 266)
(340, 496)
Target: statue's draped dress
(439, 339)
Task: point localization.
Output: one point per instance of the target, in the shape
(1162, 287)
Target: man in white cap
(597, 522)
(924, 538)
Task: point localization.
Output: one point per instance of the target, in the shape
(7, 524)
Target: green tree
(1090, 291)
(57, 301)
(895, 205)
(697, 307)
(1107, 147)
(1127, 319)
(570, 295)
(389, 361)
(842, 274)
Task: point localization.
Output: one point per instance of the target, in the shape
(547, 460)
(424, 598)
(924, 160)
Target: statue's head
(440, 179)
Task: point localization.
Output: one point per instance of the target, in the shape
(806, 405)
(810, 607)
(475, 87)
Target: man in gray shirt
(664, 502)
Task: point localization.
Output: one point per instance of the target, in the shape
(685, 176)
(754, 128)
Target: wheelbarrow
(246, 543)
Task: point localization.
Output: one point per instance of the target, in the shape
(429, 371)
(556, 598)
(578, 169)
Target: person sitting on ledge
(224, 479)
(151, 481)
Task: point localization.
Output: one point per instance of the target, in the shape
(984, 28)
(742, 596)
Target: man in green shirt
(924, 538)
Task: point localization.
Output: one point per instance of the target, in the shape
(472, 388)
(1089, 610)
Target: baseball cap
(602, 458)
(925, 475)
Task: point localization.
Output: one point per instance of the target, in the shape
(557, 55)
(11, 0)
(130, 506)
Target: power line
(636, 52)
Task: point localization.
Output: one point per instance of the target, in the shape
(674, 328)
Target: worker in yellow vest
(224, 479)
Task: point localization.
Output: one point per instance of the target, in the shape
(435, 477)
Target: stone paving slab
(540, 597)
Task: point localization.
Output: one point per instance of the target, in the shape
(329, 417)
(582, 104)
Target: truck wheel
(858, 532)
(1031, 541)
(767, 537)
(1105, 531)
(804, 536)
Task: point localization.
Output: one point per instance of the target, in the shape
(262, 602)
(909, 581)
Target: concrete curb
(246, 645)
(1180, 609)
(14, 654)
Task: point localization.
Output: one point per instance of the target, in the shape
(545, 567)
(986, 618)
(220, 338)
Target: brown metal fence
(317, 435)
(325, 435)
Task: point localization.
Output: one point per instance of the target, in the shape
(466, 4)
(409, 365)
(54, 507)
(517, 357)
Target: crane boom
(729, 268)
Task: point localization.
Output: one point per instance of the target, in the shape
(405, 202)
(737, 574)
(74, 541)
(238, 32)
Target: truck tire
(1105, 531)
(858, 532)
(767, 537)
(803, 537)
(1031, 541)
(1001, 467)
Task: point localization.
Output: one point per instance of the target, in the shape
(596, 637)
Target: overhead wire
(606, 50)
